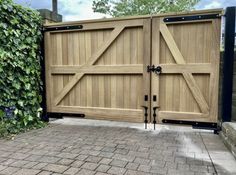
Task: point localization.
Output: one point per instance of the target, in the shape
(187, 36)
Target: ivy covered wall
(20, 84)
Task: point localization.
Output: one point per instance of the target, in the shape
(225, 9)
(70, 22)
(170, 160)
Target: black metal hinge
(191, 18)
(48, 29)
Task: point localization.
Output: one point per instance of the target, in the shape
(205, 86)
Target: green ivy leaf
(20, 83)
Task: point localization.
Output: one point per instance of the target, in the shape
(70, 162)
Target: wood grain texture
(189, 57)
(101, 69)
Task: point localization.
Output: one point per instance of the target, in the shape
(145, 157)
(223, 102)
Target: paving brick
(19, 163)
(101, 173)
(97, 148)
(40, 165)
(33, 158)
(144, 168)
(178, 172)
(27, 172)
(20, 156)
(67, 155)
(118, 163)
(89, 166)
(158, 170)
(105, 161)
(172, 165)
(55, 168)
(142, 161)
(108, 149)
(132, 166)
(71, 171)
(77, 163)
(65, 161)
(106, 154)
(121, 151)
(183, 167)
(124, 157)
(139, 154)
(49, 159)
(198, 168)
(81, 157)
(45, 173)
(86, 172)
(116, 170)
(103, 168)
(133, 172)
(2, 167)
(9, 170)
(8, 162)
(94, 159)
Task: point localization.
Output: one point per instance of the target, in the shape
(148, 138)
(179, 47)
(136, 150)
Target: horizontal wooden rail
(118, 114)
(187, 68)
(118, 69)
(102, 26)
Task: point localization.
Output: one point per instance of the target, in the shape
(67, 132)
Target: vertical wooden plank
(113, 77)
(77, 62)
(214, 77)
(119, 78)
(147, 61)
(101, 92)
(140, 61)
(127, 62)
(184, 91)
(59, 61)
(48, 63)
(134, 60)
(71, 44)
(65, 100)
(88, 43)
(155, 79)
(176, 77)
(94, 77)
(82, 82)
(107, 78)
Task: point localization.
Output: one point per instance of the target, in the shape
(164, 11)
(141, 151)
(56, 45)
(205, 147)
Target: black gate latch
(152, 68)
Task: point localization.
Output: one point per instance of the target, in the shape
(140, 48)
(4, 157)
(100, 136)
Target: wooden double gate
(103, 68)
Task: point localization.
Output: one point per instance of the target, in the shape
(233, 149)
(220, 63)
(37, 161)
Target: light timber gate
(98, 68)
(112, 68)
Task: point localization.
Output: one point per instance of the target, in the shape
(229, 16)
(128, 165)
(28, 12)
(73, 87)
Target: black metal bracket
(60, 115)
(61, 28)
(195, 125)
(145, 116)
(191, 18)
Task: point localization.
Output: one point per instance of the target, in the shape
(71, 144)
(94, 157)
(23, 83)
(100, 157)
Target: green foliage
(141, 7)
(20, 84)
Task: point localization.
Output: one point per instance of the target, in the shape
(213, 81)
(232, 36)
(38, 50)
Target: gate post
(228, 63)
(44, 116)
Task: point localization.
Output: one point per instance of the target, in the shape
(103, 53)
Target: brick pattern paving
(101, 150)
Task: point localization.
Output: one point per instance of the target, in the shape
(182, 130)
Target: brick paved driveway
(77, 146)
